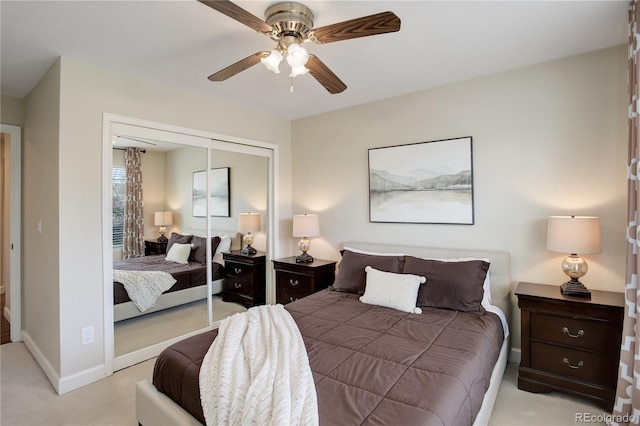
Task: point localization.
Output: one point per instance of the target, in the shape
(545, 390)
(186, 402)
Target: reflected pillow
(223, 246)
(452, 285)
(397, 291)
(351, 277)
(199, 249)
(179, 253)
(178, 238)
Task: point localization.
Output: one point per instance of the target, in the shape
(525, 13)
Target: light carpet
(27, 398)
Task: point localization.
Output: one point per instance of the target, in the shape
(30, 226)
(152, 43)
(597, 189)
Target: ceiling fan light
(296, 71)
(298, 56)
(272, 62)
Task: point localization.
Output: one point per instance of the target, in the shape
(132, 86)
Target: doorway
(10, 223)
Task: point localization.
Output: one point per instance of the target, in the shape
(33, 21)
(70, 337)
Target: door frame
(13, 313)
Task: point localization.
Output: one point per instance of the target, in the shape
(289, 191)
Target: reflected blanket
(257, 372)
(144, 287)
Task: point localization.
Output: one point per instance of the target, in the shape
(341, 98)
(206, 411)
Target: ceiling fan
(290, 25)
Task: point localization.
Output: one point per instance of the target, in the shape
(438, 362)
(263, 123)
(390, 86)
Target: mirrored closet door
(193, 192)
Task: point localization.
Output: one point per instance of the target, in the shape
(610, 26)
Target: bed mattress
(190, 275)
(371, 364)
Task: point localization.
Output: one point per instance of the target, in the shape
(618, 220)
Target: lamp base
(162, 239)
(304, 258)
(248, 251)
(574, 288)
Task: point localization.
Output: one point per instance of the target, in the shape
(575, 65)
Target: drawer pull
(292, 282)
(566, 331)
(238, 285)
(292, 299)
(237, 270)
(575, 367)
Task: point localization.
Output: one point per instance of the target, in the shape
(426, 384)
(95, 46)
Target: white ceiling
(180, 43)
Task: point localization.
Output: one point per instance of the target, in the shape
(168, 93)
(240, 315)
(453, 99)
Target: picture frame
(220, 189)
(426, 182)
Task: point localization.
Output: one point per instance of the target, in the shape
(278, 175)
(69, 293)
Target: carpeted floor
(27, 398)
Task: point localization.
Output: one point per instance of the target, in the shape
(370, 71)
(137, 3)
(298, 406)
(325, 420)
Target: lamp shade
(574, 234)
(306, 225)
(163, 218)
(249, 222)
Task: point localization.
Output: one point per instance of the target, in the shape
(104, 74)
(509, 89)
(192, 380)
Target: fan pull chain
(291, 87)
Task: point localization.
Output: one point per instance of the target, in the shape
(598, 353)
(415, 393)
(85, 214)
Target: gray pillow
(199, 250)
(450, 285)
(351, 276)
(177, 238)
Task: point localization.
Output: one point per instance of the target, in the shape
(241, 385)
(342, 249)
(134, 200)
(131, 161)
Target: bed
(191, 277)
(371, 363)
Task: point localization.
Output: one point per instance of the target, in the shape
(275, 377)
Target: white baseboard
(42, 360)
(7, 314)
(64, 384)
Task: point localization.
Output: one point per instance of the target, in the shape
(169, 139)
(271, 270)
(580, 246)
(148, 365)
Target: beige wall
(42, 317)
(547, 139)
(86, 92)
(12, 111)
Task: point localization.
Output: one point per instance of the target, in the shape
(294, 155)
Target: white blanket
(144, 287)
(257, 372)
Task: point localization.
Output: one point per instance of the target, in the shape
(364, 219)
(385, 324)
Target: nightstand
(245, 278)
(297, 280)
(570, 344)
(155, 247)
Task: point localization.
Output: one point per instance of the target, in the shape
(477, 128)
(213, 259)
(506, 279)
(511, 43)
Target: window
(118, 176)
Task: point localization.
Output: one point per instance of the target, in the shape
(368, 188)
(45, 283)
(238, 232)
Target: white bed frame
(127, 310)
(155, 408)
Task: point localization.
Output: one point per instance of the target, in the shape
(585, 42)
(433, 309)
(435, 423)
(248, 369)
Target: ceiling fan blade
(234, 11)
(324, 75)
(380, 23)
(239, 66)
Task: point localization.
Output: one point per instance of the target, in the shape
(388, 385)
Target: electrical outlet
(87, 335)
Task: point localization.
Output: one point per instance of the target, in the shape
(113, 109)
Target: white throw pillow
(397, 291)
(225, 245)
(179, 253)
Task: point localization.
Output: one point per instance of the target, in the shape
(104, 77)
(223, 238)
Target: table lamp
(575, 235)
(305, 225)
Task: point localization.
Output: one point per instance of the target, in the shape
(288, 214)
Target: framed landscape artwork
(427, 182)
(219, 186)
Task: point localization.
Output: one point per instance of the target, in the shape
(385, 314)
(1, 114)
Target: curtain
(626, 409)
(133, 227)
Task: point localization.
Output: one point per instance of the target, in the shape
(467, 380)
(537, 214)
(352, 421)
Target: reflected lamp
(248, 223)
(162, 219)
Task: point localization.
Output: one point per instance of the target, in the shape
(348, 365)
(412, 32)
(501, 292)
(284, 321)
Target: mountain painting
(427, 182)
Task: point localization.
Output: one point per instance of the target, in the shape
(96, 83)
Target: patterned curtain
(626, 409)
(133, 227)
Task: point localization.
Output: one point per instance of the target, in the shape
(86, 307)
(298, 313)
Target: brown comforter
(190, 275)
(371, 365)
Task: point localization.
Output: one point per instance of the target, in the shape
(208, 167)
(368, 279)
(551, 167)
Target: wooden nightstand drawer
(284, 297)
(238, 271)
(237, 285)
(295, 283)
(576, 333)
(590, 367)
(245, 280)
(296, 280)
